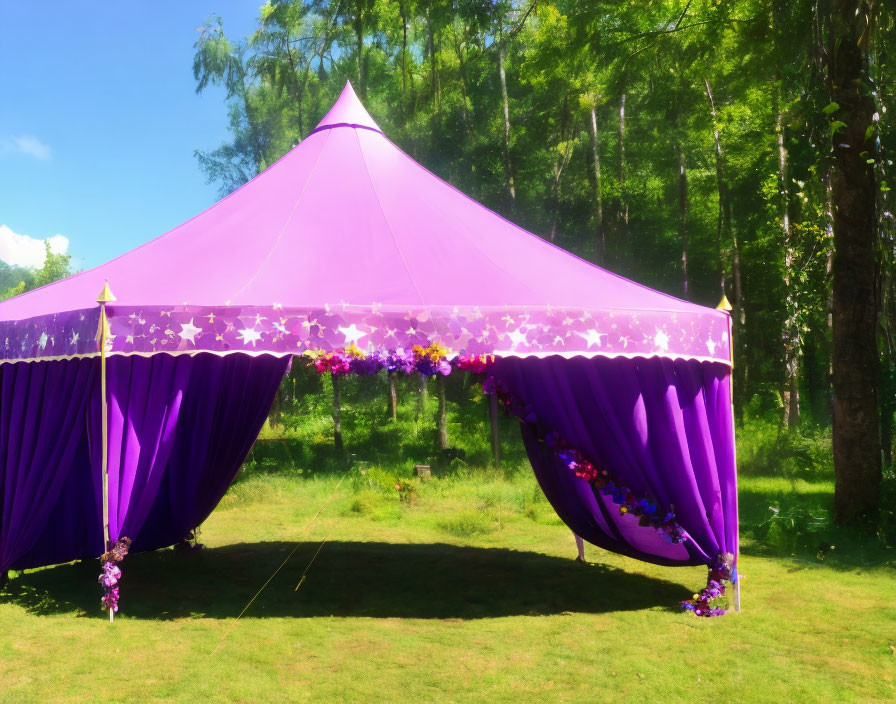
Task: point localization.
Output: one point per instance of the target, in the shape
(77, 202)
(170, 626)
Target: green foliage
(429, 73)
(468, 523)
(15, 280)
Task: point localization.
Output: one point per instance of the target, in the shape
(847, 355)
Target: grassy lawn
(470, 594)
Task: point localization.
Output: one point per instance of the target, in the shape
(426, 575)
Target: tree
(55, 267)
(857, 462)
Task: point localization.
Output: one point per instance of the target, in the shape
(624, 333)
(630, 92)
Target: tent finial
(106, 294)
(724, 304)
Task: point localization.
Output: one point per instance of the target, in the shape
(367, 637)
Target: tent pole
(102, 338)
(726, 306)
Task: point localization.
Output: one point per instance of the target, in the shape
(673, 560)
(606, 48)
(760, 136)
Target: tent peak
(348, 111)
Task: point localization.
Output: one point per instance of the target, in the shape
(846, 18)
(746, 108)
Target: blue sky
(99, 121)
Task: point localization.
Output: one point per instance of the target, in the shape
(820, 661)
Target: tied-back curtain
(225, 406)
(179, 429)
(662, 427)
(43, 406)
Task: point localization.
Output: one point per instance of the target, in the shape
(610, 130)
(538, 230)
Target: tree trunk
(559, 166)
(623, 203)
(433, 67)
(493, 423)
(508, 172)
(857, 465)
(791, 332)
(359, 40)
(726, 229)
(421, 399)
(683, 208)
(598, 192)
(337, 418)
(403, 13)
(393, 399)
(442, 418)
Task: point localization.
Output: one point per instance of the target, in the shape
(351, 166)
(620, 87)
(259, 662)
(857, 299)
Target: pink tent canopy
(347, 239)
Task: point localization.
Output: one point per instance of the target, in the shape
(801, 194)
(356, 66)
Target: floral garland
(647, 510)
(111, 575)
(710, 600)
(428, 361)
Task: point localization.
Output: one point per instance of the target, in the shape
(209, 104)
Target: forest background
(702, 147)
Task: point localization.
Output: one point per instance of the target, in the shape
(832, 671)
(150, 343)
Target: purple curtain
(662, 427)
(144, 403)
(179, 429)
(225, 406)
(42, 411)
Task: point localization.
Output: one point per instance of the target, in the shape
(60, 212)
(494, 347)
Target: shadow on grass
(378, 580)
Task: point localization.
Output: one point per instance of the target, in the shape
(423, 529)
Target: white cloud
(22, 250)
(25, 144)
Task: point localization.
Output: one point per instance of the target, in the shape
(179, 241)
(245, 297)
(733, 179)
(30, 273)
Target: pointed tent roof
(347, 232)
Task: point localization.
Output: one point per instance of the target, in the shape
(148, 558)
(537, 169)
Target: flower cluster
(111, 575)
(475, 364)
(407, 492)
(710, 600)
(428, 361)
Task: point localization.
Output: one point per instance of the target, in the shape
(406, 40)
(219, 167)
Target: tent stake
(102, 336)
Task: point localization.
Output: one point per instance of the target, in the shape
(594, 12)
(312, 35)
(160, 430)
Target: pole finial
(106, 294)
(724, 304)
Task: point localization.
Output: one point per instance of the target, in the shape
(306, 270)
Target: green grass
(469, 594)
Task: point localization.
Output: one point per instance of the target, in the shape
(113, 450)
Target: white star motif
(250, 335)
(559, 340)
(711, 345)
(211, 318)
(352, 333)
(188, 331)
(411, 330)
(43, 340)
(75, 337)
(516, 337)
(661, 340)
(592, 337)
(724, 337)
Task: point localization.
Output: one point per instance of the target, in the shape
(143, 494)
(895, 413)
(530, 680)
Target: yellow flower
(354, 351)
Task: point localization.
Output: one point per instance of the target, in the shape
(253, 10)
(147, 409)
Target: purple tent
(347, 242)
